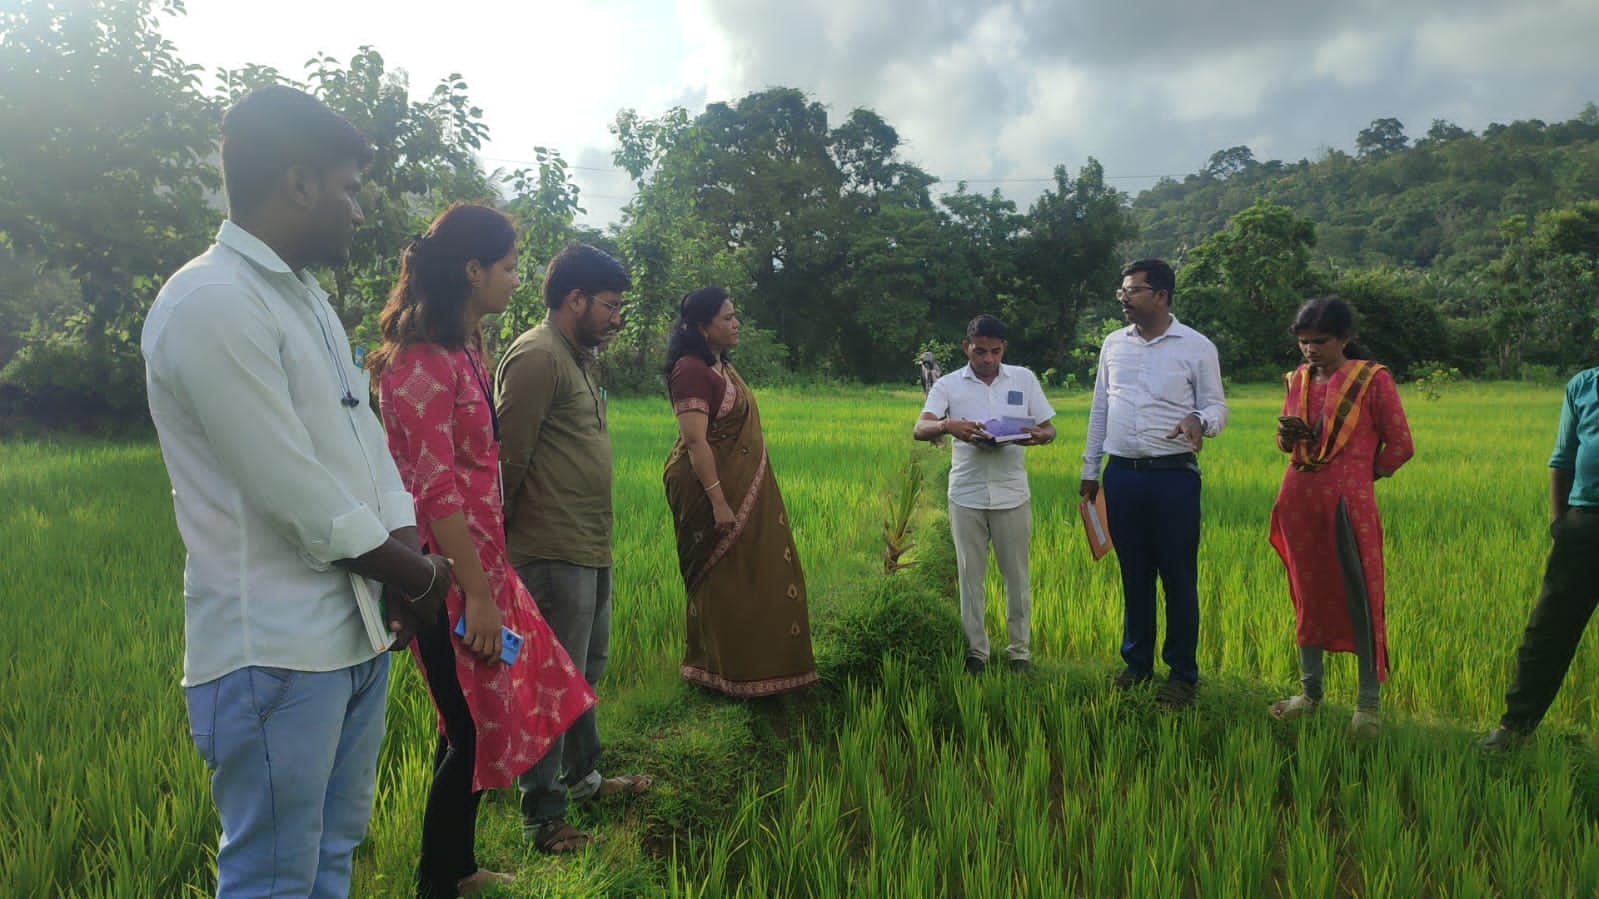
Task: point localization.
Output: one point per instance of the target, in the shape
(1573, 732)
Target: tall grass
(904, 777)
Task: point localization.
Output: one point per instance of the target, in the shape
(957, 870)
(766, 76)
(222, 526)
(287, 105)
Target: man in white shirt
(989, 502)
(1157, 396)
(285, 493)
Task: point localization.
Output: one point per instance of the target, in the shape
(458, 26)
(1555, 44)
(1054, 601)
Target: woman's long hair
(698, 309)
(1330, 314)
(428, 302)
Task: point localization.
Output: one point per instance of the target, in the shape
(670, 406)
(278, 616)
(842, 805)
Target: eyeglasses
(612, 308)
(1122, 292)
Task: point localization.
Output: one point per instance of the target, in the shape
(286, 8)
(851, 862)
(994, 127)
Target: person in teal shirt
(1571, 577)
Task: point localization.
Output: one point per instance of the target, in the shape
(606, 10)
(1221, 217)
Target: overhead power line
(607, 170)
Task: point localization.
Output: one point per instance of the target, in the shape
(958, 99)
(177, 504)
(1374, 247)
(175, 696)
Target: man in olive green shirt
(555, 462)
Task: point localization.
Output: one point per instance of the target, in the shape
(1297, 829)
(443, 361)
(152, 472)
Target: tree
(1242, 285)
(1383, 137)
(1549, 314)
(105, 139)
(823, 234)
(979, 271)
(1068, 262)
(544, 204)
(1397, 317)
(1443, 131)
(1229, 162)
(425, 159)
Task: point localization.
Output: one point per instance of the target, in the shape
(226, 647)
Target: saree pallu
(747, 623)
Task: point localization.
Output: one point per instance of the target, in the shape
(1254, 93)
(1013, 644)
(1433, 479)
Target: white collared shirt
(273, 476)
(1145, 387)
(988, 477)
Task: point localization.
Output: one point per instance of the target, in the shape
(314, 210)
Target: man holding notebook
(1157, 396)
(285, 494)
(992, 410)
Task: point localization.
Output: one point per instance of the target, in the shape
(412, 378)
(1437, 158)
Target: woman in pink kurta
(1344, 426)
(495, 719)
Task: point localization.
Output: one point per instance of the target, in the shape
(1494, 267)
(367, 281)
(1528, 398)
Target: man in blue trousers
(1157, 396)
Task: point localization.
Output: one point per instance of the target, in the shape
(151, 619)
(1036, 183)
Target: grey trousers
(1009, 531)
(575, 601)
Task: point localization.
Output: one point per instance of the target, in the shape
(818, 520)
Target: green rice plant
(904, 501)
(901, 775)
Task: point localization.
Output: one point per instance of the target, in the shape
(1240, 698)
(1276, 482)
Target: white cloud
(1231, 86)
(1554, 38)
(976, 88)
(1353, 57)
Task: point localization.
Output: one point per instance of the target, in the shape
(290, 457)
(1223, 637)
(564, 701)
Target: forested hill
(1440, 202)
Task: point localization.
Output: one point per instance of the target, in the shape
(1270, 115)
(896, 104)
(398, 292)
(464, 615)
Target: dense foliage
(1461, 251)
(1473, 251)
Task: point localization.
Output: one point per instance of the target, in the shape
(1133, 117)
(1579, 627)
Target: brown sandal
(557, 837)
(622, 785)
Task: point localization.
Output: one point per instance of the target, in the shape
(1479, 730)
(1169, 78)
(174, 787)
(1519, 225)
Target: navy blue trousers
(1154, 521)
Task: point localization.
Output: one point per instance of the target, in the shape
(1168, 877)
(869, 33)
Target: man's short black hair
(273, 128)
(581, 267)
(986, 326)
(1157, 274)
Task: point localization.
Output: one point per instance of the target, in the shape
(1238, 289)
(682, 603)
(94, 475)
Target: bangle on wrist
(714, 486)
(432, 579)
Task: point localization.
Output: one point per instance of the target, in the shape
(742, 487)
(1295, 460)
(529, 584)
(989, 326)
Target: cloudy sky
(996, 92)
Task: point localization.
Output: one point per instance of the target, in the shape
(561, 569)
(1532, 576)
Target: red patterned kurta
(1304, 517)
(440, 431)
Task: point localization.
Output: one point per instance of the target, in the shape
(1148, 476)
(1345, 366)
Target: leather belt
(1177, 462)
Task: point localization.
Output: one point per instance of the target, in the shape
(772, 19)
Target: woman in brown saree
(748, 628)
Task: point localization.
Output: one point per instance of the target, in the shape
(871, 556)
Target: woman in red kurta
(1344, 426)
(495, 719)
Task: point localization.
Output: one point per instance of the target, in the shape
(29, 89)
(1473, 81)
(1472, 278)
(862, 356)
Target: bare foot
(482, 879)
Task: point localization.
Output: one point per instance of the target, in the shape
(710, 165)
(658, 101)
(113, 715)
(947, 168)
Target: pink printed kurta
(440, 428)
(1304, 518)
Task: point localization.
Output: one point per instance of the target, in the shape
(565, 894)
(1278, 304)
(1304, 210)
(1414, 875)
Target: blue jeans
(1153, 518)
(575, 601)
(293, 756)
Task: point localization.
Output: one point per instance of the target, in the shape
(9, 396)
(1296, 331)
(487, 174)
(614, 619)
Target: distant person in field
(1571, 576)
(555, 459)
(1344, 426)
(747, 618)
(930, 372)
(1157, 396)
(989, 500)
(495, 720)
(284, 493)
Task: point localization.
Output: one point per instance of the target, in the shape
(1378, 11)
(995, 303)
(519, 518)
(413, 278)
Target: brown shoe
(1176, 694)
(557, 837)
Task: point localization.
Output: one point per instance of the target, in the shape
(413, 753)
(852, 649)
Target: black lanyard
(488, 397)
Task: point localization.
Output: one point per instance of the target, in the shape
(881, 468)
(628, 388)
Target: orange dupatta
(1344, 390)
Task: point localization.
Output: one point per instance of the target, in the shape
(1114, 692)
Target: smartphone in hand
(510, 641)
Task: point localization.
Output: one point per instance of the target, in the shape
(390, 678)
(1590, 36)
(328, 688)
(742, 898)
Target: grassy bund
(898, 775)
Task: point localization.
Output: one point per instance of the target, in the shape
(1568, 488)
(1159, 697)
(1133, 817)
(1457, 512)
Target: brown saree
(748, 627)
